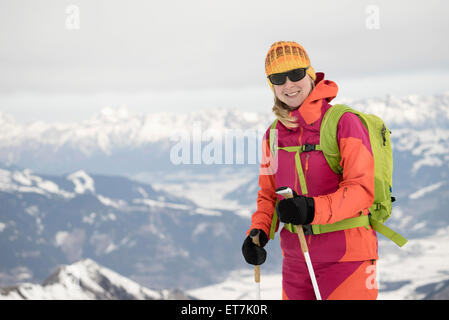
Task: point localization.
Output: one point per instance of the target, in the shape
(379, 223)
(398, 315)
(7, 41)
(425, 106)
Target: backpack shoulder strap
(328, 135)
(272, 138)
(272, 144)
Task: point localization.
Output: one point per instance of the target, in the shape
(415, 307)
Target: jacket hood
(310, 109)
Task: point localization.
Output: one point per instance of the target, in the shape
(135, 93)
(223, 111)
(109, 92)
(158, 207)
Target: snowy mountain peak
(27, 182)
(415, 110)
(114, 128)
(86, 277)
(86, 280)
(114, 138)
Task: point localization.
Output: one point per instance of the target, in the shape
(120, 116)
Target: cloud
(72, 106)
(194, 45)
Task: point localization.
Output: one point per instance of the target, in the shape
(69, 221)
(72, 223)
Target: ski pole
(254, 234)
(288, 193)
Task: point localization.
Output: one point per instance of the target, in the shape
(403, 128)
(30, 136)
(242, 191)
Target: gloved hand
(296, 210)
(252, 253)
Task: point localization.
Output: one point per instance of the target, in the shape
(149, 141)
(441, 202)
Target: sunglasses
(294, 75)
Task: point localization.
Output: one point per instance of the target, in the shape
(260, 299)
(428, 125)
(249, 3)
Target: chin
(291, 107)
(294, 105)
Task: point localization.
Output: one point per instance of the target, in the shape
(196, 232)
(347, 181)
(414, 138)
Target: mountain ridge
(86, 280)
(107, 129)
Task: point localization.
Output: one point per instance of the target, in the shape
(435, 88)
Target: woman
(344, 261)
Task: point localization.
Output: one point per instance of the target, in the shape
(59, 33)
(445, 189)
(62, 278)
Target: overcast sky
(62, 60)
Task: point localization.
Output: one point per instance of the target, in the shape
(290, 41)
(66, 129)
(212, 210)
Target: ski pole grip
(287, 193)
(254, 234)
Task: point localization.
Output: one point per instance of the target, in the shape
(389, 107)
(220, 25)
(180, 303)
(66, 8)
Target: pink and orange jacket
(337, 197)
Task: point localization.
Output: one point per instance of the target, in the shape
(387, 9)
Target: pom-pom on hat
(287, 55)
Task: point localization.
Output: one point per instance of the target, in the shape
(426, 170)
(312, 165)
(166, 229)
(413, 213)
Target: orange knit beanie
(287, 55)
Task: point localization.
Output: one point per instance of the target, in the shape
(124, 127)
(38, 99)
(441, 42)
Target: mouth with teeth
(292, 94)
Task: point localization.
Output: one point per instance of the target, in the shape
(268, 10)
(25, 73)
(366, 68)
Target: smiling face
(293, 94)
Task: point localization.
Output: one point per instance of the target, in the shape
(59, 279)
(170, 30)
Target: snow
(48, 186)
(421, 192)
(111, 247)
(82, 181)
(31, 190)
(90, 218)
(117, 127)
(419, 124)
(207, 212)
(142, 192)
(112, 128)
(110, 202)
(23, 178)
(193, 187)
(162, 204)
(25, 181)
(240, 286)
(200, 228)
(34, 212)
(60, 237)
(412, 109)
(81, 281)
(419, 262)
(430, 146)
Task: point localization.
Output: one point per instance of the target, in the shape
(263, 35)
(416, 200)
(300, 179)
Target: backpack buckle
(308, 147)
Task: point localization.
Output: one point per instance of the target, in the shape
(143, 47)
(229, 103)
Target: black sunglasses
(294, 75)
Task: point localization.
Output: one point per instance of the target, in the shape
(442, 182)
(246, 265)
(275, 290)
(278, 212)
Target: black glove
(296, 210)
(254, 254)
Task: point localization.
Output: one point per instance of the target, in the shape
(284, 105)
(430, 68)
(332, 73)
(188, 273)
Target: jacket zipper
(305, 176)
(343, 197)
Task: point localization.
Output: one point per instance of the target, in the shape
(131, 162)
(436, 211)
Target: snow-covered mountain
(422, 121)
(113, 141)
(86, 280)
(117, 128)
(118, 142)
(158, 239)
(75, 199)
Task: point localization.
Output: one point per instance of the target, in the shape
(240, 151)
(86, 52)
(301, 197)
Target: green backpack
(379, 135)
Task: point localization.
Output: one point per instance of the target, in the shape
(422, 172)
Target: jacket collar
(311, 109)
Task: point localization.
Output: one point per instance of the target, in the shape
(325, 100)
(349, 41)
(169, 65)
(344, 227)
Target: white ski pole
(254, 234)
(288, 193)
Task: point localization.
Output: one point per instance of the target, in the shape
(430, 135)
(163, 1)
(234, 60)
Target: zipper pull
(307, 162)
